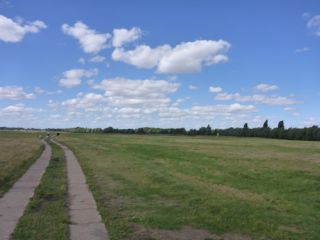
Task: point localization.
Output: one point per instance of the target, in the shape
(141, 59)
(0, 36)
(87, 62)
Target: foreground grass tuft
(46, 214)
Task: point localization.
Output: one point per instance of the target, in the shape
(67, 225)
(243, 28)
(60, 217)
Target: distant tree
(281, 125)
(245, 130)
(108, 130)
(192, 132)
(202, 131)
(209, 130)
(265, 124)
(280, 132)
(141, 131)
(265, 131)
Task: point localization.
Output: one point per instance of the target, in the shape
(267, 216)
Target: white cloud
(14, 93)
(191, 56)
(69, 83)
(11, 31)
(207, 111)
(302, 50)
(257, 98)
(192, 87)
(127, 92)
(215, 89)
(90, 40)
(14, 109)
(86, 101)
(72, 78)
(129, 112)
(38, 90)
(306, 15)
(19, 115)
(314, 25)
(142, 56)
(82, 60)
(311, 121)
(122, 36)
(263, 87)
(54, 92)
(186, 57)
(289, 109)
(97, 59)
(18, 110)
(172, 77)
(225, 96)
(179, 101)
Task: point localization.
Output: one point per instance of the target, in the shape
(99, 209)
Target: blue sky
(159, 63)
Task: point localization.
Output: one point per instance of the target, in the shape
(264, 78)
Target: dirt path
(14, 202)
(84, 217)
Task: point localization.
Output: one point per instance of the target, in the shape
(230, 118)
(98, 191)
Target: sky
(130, 64)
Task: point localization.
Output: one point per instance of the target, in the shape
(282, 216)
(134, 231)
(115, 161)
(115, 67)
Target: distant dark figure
(48, 134)
(58, 134)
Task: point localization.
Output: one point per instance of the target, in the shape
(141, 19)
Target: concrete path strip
(84, 217)
(14, 202)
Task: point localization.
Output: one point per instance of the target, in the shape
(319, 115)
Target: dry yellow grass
(18, 151)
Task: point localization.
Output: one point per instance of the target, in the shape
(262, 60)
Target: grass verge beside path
(46, 215)
(18, 151)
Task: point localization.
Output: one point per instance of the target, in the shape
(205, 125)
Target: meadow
(180, 187)
(18, 150)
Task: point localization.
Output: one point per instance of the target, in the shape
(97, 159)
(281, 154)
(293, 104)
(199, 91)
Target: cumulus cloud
(14, 93)
(311, 121)
(302, 50)
(18, 110)
(19, 115)
(257, 98)
(192, 87)
(122, 36)
(207, 111)
(128, 92)
(186, 57)
(289, 109)
(12, 31)
(82, 60)
(215, 89)
(89, 39)
(263, 87)
(191, 56)
(73, 77)
(314, 25)
(86, 101)
(97, 59)
(142, 56)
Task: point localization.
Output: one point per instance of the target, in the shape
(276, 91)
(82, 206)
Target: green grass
(18, 150)
(261, 188)
(46, 214)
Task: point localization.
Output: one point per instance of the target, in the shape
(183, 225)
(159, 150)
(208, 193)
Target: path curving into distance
(85, 220)
(14, 202)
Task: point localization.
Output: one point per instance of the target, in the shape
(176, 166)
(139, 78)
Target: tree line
(280, 132)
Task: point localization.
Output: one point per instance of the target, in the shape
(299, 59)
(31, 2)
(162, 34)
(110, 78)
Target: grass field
(18, 150)
(46, 216)
(166, 187)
